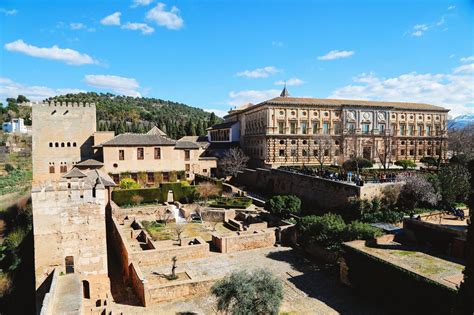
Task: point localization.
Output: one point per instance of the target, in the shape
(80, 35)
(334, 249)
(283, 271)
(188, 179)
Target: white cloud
(169, 19)
(451, 90)
(10, 88)
(137, 3)
(77, 26)
(290, 82)
(419, 30)
(218, 112)
(69, 56)
(264, 72)
(336, 54)
(451, 7)
(139, 27)
(8, 12)
(120, 85)
(113, 19)
(277, 44)
(251, 96)
(468, 68)
(467, 59)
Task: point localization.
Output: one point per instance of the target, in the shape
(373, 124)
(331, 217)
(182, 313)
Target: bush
(405, 164)
(356, 163)
(9, 168)
(326, 230)
(238, 203)
(128, 183)
(360, 231)
(125, 196)
(258, 292)
(429, 160)
(283, 205)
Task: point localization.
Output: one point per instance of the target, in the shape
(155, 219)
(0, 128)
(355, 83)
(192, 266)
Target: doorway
(69, 264)
(86, 289)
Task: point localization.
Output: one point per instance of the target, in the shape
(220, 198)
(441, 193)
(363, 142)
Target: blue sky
(218, 54)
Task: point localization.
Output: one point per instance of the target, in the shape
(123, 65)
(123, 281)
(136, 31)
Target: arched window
(50, 144)
(62, 144)
(68, 144)
(74, 144)
(56, 144)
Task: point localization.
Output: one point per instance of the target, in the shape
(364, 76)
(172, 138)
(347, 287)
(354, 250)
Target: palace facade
(310, 131)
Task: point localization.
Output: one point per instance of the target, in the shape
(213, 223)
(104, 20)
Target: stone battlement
(73, 190)
(63, 104)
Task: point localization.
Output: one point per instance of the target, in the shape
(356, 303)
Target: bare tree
(207, 190)
(179, 230)
(234, 161)
(165, 216)
(173, 267)
(384, 152)
(461, 140)
(353, 148)
(323, 145)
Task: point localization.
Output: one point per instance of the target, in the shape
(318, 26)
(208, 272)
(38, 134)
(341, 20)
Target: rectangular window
(121, 155)
(402, 152)
(304, 152)
(365, 128)
(326, 152)
(351, 127)
(293, 152)
(412, 152)
(403, 130)
(315, 127)
(315, 152)
(428, 152)
(150, 178)
(51, 169)
(187, 155)
(411, 130)
(187, 167)
(140, 154)
(326, 128)
(63, 168)
(438, 152)
(428, 132)
(134, 176)
(292, 128)
(281, 152)
(382, 129)
(438, 131)
(420, 151)
(337, 128)
(420, 130)
(157, 153)
(304, 127)
(281, 127)
(166, 176)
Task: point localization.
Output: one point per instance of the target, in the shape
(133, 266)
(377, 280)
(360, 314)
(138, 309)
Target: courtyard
(309, 287)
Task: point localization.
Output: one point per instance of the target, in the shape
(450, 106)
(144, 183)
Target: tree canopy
(405, 164)
(283, 205)
(258, 292)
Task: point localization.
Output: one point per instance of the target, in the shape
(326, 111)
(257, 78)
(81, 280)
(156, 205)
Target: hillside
(461, 121)
(139, 114)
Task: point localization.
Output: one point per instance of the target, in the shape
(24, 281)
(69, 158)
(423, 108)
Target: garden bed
(234, 203)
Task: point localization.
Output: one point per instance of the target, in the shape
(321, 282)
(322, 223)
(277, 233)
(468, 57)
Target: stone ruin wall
(244, 240)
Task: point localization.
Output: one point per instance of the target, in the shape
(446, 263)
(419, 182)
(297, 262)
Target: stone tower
(69, 232)
(62, 136)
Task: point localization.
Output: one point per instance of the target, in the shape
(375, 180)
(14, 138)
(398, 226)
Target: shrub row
(182, 192)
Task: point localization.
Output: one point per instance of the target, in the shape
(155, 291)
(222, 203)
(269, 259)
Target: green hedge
(235, 203)
(182, 192)
(399, 290)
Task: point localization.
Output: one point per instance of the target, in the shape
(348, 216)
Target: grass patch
(158, 231)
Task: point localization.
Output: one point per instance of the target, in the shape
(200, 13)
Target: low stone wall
(164, 252)
(449, 241)
(315, 193)
(244, 240)
(48, 301)
(218, 215)
(120, 246)
(138, 283)
(178, 290)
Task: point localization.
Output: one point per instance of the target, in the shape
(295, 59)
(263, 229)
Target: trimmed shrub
(236, 202)
(124, 197)
(128, 183)
(360, 231)
(405, 164)
(352, 164)
(326, 230)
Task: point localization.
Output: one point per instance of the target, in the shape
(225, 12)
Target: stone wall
(244, 240)
(164, 254)
(315, 193)
(48, 301)
(179, 290)
(120, 246)
(138, 283)
(218, 215)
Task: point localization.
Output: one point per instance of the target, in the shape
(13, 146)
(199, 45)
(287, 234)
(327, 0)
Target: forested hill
(138, 114)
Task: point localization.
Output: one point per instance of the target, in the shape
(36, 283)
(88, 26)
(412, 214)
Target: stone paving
(308, 288)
